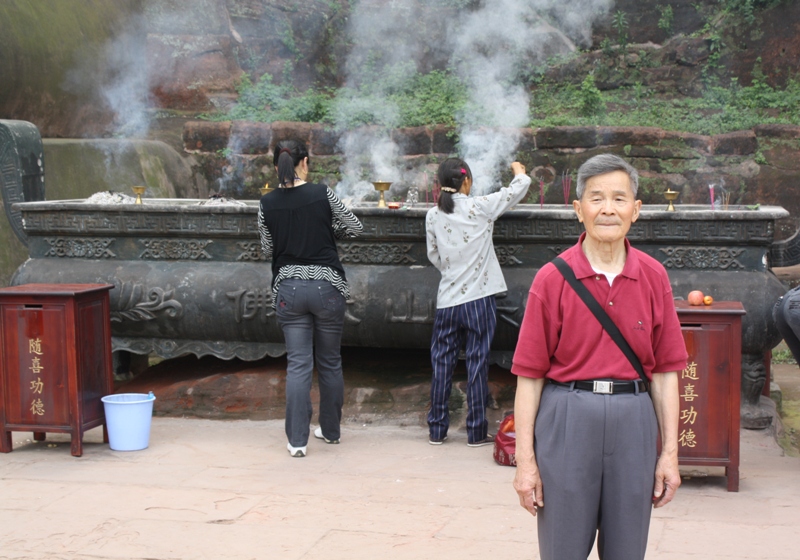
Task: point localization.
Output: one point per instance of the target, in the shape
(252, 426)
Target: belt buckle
(603, 387)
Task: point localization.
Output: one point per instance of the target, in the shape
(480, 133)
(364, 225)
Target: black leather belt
(605, 387)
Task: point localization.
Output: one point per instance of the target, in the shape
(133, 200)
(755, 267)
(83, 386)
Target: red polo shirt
(562, 340)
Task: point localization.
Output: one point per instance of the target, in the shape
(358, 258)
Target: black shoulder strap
(602, 316)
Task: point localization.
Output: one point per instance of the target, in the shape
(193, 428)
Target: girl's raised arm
(496, 203)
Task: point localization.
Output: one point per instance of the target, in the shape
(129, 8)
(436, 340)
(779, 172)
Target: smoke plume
(489, 45)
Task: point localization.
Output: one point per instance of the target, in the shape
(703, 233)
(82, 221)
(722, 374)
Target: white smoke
(372, 151)
(490, 47)
(126, 91)
(116, 72)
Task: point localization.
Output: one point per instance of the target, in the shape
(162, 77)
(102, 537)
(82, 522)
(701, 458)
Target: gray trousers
(597, 457)
(311, 315)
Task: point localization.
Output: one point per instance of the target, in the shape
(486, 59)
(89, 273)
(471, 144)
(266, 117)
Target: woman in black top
(298, 224)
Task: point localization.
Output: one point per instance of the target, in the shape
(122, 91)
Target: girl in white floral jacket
(459, 238)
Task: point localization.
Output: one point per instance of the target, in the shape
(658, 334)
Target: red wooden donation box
(56, 360)
(710, 387)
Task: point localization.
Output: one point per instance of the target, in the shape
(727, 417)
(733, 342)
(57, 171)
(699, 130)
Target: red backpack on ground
(505, 443)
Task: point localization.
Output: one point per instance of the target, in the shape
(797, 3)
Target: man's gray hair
(602, 164)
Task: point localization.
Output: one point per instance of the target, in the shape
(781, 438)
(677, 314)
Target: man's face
(608, 208)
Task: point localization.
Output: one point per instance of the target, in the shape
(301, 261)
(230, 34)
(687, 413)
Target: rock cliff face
(89, 69)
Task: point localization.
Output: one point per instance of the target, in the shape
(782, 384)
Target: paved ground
(228, 489)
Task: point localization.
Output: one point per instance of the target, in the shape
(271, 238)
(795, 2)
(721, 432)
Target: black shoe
(434, 441)
(488, 440)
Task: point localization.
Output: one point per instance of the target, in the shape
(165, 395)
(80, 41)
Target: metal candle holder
(671, 195)
(382, 187)
(265, 189)
(138, 191)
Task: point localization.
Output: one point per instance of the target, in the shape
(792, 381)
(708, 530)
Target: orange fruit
(708, 300)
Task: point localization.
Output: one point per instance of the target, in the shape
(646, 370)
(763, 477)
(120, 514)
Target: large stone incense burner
(191, 278)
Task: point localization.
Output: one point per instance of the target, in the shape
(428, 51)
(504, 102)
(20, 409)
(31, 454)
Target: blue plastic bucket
(128, 417)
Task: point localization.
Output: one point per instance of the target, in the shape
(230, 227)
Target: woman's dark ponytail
(451, 175)
(287, 155)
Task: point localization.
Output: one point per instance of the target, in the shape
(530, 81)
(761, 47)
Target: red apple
(695, 297)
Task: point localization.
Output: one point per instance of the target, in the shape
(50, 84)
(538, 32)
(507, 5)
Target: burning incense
(541, 193)
(726, 199)
(566, 185)
(711, 191)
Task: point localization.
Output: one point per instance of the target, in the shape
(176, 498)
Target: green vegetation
(747, 9)
(620, 22)
(782, 355)
(393, 99)
(722, 109)
(590, 100)
(438, 97)
(266, 101)
(400, 96)
(665, 21)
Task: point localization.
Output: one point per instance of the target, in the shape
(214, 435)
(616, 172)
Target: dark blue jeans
(311, 315)
(787, 317)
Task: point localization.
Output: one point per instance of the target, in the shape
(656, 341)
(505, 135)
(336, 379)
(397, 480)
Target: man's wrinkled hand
(668, 478)
(528, 485)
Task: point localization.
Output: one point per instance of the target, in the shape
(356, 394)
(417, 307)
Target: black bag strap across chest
(598, 311)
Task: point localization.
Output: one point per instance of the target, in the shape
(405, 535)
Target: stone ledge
(206, 136)
(777, 131)
(739, 143)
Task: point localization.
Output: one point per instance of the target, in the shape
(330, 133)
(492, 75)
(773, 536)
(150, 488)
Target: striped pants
(473, 322)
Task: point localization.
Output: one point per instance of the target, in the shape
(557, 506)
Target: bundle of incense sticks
(541, 193)
(566, 185)
(711, 191)
(726, 199)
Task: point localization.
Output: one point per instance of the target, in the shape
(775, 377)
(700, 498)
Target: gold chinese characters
(36, 367)
(688, 437)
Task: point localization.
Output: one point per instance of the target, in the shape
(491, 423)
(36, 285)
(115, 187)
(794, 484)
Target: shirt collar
(583, 269)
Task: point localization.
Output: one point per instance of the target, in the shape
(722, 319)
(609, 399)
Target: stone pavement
(210, 489)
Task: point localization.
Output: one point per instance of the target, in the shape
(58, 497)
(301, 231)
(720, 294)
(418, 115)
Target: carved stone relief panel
(251, 251)
(81, 248)
(506, 254)
(702, 257)
(537, 230)
(407, 310)
(175, 249)
(375, 253)
(249, 304)
(730, 231)
(128, 303)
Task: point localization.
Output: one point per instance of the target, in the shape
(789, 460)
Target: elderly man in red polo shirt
(586, 424)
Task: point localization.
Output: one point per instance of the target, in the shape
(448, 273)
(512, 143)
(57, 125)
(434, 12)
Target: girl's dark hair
(452, 173)
(287, 155)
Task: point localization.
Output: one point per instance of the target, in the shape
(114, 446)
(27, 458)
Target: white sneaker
(318, 435)
(296, 451)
